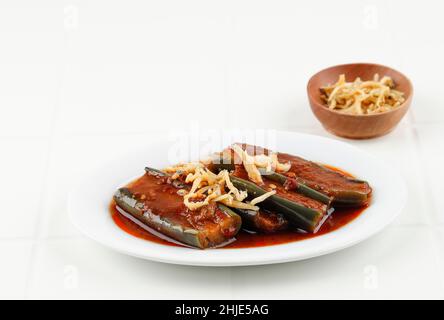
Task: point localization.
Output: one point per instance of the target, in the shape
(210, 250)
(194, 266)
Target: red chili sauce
(245, 239)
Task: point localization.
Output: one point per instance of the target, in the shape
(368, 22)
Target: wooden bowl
(358, 126)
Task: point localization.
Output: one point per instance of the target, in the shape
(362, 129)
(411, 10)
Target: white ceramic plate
(88, 205)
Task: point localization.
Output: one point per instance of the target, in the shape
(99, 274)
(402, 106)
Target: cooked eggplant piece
(345, 191)
(302, 212)
(293, 184)
(262, 221)
(154, 200)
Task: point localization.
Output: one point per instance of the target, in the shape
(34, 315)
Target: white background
(81, 81)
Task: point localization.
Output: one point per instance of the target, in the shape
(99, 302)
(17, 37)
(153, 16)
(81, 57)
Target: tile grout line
(45, 180)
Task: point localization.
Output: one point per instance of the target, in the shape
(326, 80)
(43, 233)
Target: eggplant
(305, 210)
(345, 191)
(178, 223)
(299, 215)
(297, 185)
(292, 184)
(262, 221)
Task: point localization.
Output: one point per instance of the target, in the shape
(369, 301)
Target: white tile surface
(81, 82)
(406, 269)
(439, 238)
(400, 149)
(79, 268)
(71, 159)
(16, 259)
(23, 169)
(29, 62)
(432, 155)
